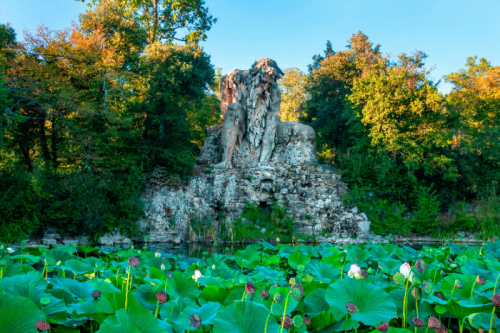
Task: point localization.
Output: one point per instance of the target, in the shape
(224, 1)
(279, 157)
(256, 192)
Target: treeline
(87, 113)
(408, 152)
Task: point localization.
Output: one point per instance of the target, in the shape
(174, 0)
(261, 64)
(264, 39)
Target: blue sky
(291, 31)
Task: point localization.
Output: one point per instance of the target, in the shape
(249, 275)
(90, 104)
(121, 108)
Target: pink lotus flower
(157, 254)
(197, 275)
(355, 271)
(405, 269)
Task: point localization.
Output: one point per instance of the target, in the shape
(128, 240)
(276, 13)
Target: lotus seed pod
(42, 326)
(383, 327)
(96, 294)
(496, 300)
(481, 330)
(440, 296)
(264, 294)
(307, 321)
(480, 280)
(195, 321)
(475, 320)
(249, 288)
(416, 293)
(364, 273)
(275, 285)
(249, 296)
(399, 279)
(278, 298)
(441, 330)
(434, 323)
(301, 268)
(458, 284)
(427, 287)
(134, 262)
(418, 322)
(287, 322)
(297, 291)
(161, 296)
(351, 308)
(420, 265)
(298, 321)
(169, 276)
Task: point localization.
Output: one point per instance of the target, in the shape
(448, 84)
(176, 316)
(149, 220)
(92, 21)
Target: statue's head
(268, 69)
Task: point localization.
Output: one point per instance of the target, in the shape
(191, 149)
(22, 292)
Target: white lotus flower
(353, 270)
(197, 275)
(11, 250)
(157, 254)
(405, 269)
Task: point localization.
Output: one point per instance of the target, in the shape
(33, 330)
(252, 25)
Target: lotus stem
(342, 271)
(451, 297)
(1, 272)
(404, 302)
(435, 273)
(242, 297)
(126, 291)
(416, 306)
(157, 307)
(493, 312)
(172, 310)
(267, 320)
(472, 290)
(284, 313)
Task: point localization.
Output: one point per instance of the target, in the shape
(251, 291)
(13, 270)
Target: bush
(385, 216)
(18, 206)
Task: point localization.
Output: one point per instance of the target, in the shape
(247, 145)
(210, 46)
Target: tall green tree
(293, 94)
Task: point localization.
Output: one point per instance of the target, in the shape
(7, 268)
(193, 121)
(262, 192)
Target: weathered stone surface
(311, 194)
(251, 157)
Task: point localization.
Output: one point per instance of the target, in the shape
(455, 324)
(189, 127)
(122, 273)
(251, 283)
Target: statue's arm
(272, 121)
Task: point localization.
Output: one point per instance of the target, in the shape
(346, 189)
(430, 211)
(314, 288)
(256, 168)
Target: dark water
(198, 250)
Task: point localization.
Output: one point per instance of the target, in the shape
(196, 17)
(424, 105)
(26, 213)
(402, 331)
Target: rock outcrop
(252, 157)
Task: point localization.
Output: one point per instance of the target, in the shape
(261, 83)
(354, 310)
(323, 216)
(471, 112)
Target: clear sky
(292, 31)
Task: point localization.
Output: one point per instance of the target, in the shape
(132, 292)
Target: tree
(329, 84)
(293, 94)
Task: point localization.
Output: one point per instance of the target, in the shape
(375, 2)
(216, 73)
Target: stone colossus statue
(250, 103)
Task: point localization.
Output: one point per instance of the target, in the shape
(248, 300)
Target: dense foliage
(87, 113)
(399, 142)
(262, 288)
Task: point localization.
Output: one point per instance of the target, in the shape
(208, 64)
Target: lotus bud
(496, 300)
(195, 321)
(458, 284)
(42, 326)
(278, 298)
(384, 327)
(161, 296)
(96, 294)
(197, 275)
(292, 281)
(420, 265)
(353, 270)
(287, 322)
(249, 288)
(58, 263)
(351, 308)
(480, 280)
(370, 270)
(434, 323)
(134, 262)
(307, 321)
(416, 293)
(162, 267)
(418, 322)
(213, 267)
(169, 276)
(301, 268)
